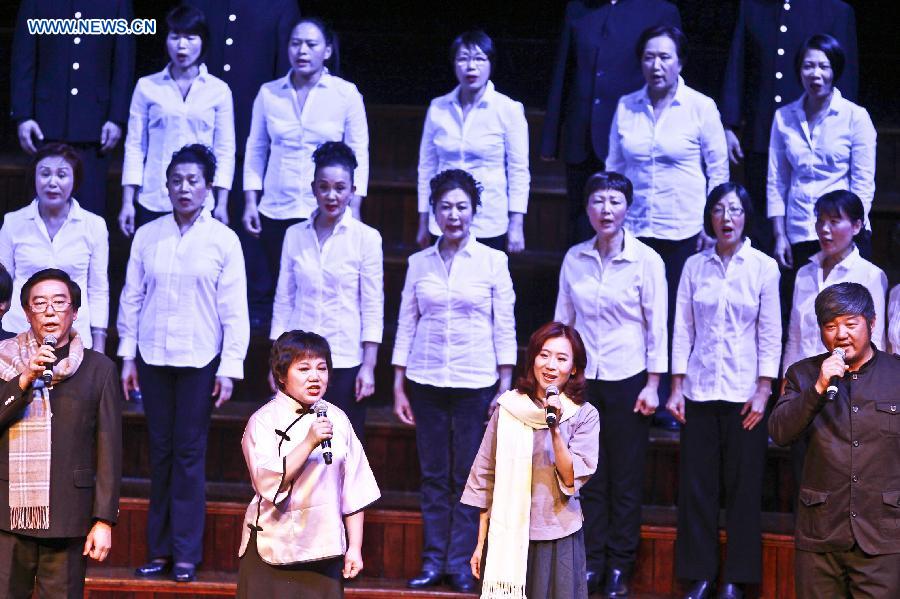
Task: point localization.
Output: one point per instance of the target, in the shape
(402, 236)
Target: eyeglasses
(478, 60)
(733, 211)
(40, 305)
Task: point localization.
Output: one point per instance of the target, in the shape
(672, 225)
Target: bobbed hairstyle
(830, 47)
(609, 180)
(673, 33)
(335, 153)
(189, 20)
(64, 151)
(6, 285)
(296, 345)
(50, 274)
(331, 39)
(845, 299)
(473, 38)
(715, 196)
(576, 385)
(446, 181)
(841, 202)
(195, 154)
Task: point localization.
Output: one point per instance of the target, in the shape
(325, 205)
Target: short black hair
(295, 345)
(830, 47)
(446, 181)
(50, 274)
(609, 180)
(195, 154)
(715, 196)
(839, 201)
(335, 153)
(673, 33)
(189, 20)
(331, 39)
(468, 39)
(64, 151)
(844, 299)
(6, 285)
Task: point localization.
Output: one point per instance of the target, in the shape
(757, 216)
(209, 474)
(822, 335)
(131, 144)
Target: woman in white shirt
(54, 231)
(612, 289)
(331, 282)
(183, 335)
(725, 354)
(180, 105)
(455, 338)
(477, 129)
(819, 143)
(893, 333)
(292, 116)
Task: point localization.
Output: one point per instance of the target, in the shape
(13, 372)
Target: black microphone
(47, 375)
(832, 390)
(551, 415)
(321, 412)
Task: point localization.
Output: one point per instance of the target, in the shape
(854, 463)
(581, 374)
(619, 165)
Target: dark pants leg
(91, 194)
(178, 405)
(849, 573)
(498, 242)
(715, 448)
(611, 499)
(271, 240)
(577, 174)
(342, 393)
(55, 567)
(142, 216)
(756, 170)
(260, 285)
(449, 428)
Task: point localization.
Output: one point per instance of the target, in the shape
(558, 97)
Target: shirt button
(232, 18)
(780, 51)
(226, 68)
(75, 66)
(855, 478)
(228, 41)
(778, 99)
(855, 409)
(787, 6)
(596, 100)
(783, 29)
(778, 75)
(74, 91)
(77, 40)
(853, 514)
(855, 443)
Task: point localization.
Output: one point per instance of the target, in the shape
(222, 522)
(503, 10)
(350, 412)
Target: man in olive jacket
(848, 516)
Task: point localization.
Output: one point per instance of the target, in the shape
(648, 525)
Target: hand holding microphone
(833, 369)
(47, 375)
(322, 412)
(552, 405)
(40, 365)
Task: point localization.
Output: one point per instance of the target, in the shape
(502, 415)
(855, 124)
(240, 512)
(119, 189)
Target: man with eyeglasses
(60, 446)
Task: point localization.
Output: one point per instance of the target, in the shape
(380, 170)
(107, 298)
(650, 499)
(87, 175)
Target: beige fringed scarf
(505, 570)
(29, 437)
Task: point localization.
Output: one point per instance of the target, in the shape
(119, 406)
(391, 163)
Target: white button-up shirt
(185, 296)
(727, 324)
(804, 165)
(161, 122)
(455, 327)
(80, 247)
(673, 162)
(335, 289)
(491, 143)
(893, 335)
(283, 137)
(620, 309)
(804, 336)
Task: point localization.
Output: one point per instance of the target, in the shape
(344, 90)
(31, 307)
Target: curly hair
(195, 154)
(446, 181)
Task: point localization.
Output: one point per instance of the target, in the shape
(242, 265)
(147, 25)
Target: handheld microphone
(832, 390)
(47, 375)
(551, 415)
(321, 412)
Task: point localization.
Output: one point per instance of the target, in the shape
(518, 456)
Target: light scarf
(29, 437)
(507, 563)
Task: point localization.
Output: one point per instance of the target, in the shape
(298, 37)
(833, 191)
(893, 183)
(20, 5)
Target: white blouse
(727, 324)
(80, 247)
(893, 335)
(283, 137)
(455, 327)
(161, 122)
(335, 290)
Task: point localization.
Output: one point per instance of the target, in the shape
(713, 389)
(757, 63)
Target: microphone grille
(552, 390)
(320, 408)
(839, 351)
(50, 340)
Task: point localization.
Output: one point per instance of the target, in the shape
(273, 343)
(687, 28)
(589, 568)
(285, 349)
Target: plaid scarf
(29, 437)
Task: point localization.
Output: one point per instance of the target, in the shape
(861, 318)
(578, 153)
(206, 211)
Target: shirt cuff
(127, 348)
(231, 368)
(371, 335)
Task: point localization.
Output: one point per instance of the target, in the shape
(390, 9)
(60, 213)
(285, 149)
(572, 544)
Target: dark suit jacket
(750, 87)
(850, 488)
(596, 65)
(257, 54)
(43, 76)
(86, 447)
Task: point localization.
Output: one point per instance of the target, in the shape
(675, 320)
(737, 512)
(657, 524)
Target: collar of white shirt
(846, 264)
(75, 211)
(629, 248)
(834, 107)
(484, 101)
(342, 224)
(644, 98)
(740, 255)
(166, 73)
(324, 81)
(471, 247)
(204, 217)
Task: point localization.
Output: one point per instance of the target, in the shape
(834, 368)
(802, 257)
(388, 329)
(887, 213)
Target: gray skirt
(557, 569)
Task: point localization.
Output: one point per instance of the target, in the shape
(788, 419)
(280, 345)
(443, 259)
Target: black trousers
(577, 174)
(849, 573)
(718, 454)
(271, 240)
(611, 499)
(55, 567)
(756, 172)
(177, 403)
(342, 393)
(142, 215)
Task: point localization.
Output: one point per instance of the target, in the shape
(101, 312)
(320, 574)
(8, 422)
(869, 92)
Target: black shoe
(153, 568)
(616, 584)
(461, 583)
(593, 581)
(185, 573)
(701, 589)
(426, 578)
(730, 591)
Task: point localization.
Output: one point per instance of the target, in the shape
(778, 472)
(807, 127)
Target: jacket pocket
(890, 521)
(83, 478)
(812, 512)
(888, 417)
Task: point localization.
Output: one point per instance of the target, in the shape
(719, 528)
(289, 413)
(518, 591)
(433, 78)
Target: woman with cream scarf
(527, 473)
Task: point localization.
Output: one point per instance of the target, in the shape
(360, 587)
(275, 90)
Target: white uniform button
(77, 15)
(780, 51)
(226, 68)
(75, 66)
(778, 75)
(229, 41)
(232, 18)
(784, 29)
(77, 40)
(778, 99)
(74, 91)
(787, 6)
